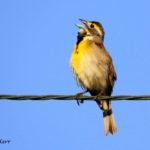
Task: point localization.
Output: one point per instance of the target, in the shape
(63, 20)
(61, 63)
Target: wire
(72, 97)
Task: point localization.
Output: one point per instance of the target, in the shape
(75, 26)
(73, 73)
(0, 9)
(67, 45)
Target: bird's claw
(77, 97)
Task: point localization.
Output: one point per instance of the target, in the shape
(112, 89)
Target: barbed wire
(73, 97)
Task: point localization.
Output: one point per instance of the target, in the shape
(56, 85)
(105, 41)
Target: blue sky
(36, 41)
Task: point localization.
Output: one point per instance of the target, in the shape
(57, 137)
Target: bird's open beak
(81, 26)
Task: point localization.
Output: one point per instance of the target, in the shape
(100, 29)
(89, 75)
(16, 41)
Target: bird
(93, 68)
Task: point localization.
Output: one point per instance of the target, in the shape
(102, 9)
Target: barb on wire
(72, 97)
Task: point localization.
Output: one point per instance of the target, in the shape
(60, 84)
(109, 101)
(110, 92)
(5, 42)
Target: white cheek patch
(89, 37)
(96, 39)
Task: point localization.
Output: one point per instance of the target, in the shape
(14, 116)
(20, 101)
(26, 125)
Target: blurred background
(36, 42)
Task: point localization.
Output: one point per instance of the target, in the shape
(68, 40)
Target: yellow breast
(88, 65)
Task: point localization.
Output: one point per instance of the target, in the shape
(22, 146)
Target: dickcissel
(93, 68)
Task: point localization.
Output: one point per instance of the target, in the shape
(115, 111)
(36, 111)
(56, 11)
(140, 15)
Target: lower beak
(79, 26)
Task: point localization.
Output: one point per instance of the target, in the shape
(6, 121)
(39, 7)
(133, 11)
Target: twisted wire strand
(73, 97)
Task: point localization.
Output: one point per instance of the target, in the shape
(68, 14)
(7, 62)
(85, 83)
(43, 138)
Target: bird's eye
(92, 25)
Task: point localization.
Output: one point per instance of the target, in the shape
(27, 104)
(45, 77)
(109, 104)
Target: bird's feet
(99, 101)
(78, 96)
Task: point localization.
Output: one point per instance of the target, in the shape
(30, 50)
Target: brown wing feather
(112, 76)
(112, 73)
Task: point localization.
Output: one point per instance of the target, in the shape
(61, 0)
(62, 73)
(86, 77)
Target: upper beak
(83, 21)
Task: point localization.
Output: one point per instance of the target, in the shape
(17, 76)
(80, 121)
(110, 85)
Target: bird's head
(91, 28)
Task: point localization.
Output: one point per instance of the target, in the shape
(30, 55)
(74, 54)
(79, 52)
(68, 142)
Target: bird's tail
(109, 120)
